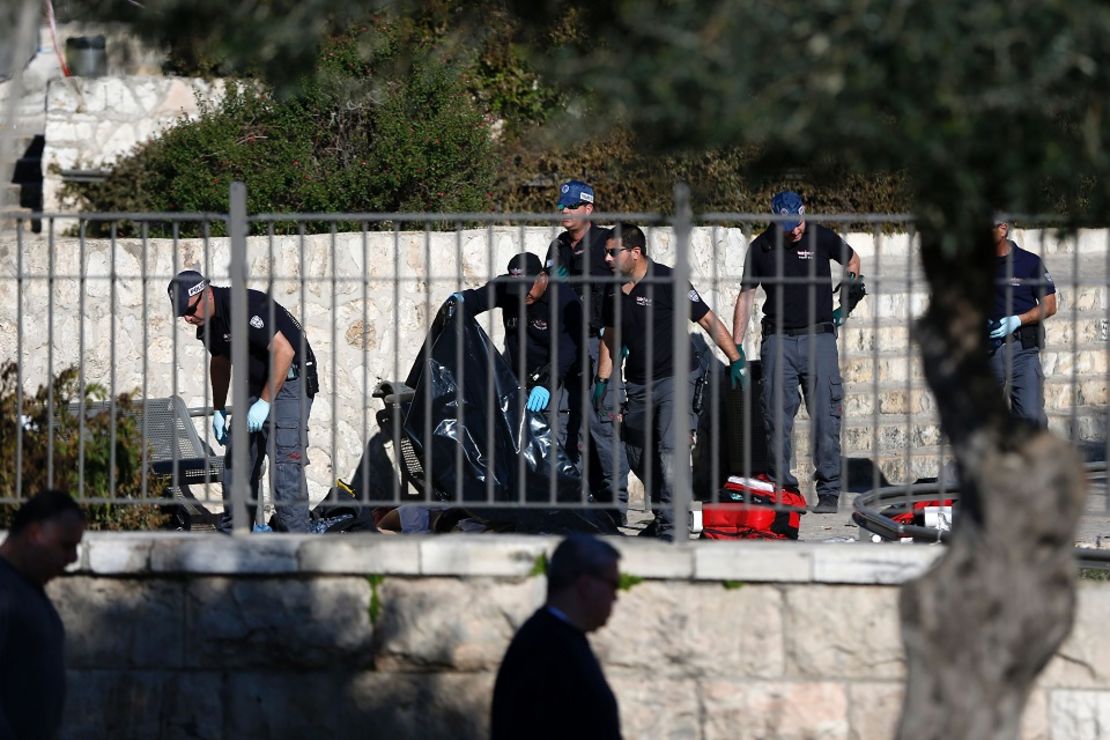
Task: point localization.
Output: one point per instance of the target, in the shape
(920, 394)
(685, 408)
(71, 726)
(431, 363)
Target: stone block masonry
(185, 636)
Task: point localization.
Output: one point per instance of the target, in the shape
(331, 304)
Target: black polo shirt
(649, 309)
(800, 293)
(587, 257)
(1020, 283)
(260, 332)
(542, 326)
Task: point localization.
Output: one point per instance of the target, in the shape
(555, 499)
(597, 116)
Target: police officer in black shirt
(791, 261)
(543, 337)
(647, 309)
(1024, 296)
(282, 380)
(578, 255)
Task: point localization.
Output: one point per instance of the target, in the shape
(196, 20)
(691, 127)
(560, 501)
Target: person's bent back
(550, 684)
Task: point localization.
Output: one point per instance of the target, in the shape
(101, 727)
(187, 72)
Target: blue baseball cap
(574, 193)
(788, 203)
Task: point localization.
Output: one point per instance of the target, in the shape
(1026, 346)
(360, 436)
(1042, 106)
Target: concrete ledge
(148, 553)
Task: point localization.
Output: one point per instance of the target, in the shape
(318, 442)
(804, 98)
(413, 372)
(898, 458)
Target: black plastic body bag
(468, 425)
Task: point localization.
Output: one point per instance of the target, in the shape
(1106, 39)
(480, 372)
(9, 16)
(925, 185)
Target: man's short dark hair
(631, 236)
(41, 507)
(578, 555)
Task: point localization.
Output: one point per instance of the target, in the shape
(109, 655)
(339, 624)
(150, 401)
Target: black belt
(824, 328)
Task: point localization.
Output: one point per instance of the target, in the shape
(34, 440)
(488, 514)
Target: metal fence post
(237, 230)
(681, 334)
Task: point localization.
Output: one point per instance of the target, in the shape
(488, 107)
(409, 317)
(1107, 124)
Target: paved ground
(1094, 527)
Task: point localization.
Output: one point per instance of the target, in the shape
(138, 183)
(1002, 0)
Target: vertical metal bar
(364, 495)
(395, 415)
(81, 363)
(174, 450)
(237, 229)
(1074, 420)
(144, 454)
(460, 366)
(334, 360)
(50, 355)
(112, 411)
(302, 355)
(19, 359)
(681, 465)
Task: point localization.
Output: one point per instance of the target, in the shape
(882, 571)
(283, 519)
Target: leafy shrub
(33, 421)
(369, 133)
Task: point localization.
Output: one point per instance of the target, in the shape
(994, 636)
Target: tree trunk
(980, 625)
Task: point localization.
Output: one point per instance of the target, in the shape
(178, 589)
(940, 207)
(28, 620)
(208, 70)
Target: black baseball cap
(524, 265)
(184, 286)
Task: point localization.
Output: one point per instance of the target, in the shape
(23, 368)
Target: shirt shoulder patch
(694, 297)
(256, 321)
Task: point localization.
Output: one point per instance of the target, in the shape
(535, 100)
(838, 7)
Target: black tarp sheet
(468, 425)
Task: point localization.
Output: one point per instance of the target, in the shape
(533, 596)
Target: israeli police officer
(647, 312)
(543, 337)
(578, 256)
(282, 381)
(1024, 296)
(790, 259)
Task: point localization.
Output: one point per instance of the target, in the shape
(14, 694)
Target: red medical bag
(753, 509)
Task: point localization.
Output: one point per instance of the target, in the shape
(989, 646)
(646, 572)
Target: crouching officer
(543, 337)
(647, 315)
(791, 261)
(1024, 296)
(282, 381)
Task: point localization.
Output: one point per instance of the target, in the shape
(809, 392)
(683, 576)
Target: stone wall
(366, 304)
(180, 636)
(91, 122)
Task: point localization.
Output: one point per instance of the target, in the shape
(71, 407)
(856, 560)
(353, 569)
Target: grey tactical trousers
(808, 362)
(288, 453)
(1019, 372)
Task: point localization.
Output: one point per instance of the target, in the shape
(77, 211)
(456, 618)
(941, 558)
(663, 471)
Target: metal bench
(176, 452)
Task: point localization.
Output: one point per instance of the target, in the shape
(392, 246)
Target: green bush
(369, 133)
(33, 419)
(626, 180)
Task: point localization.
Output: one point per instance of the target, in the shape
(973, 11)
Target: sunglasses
(571, 208)
(192, 309)
(615, 252)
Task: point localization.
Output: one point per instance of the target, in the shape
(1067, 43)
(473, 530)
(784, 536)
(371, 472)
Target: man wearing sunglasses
(577, 255)
(644, 325)
(282, 380)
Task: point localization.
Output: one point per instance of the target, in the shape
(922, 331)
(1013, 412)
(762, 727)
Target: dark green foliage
(367, 134)
(628, 179)
(99, 474)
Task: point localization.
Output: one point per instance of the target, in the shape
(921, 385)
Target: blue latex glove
(458, 297)
(838, 316)
(256, 417)
(600, 386)
(538, 398)
(1006, 327)
(560, 272)
(219, 426)
(738, 370)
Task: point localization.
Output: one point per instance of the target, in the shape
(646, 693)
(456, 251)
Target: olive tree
(986, 107)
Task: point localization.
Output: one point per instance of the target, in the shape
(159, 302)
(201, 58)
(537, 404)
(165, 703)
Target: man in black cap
(578, 255)
(543, 337)
(282, 381)
(41, 542)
